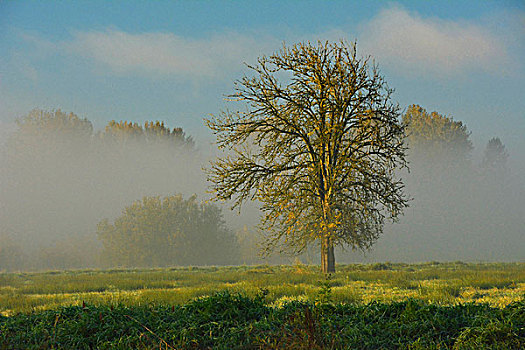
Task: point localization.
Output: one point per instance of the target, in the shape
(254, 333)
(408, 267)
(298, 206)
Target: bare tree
(317, 145)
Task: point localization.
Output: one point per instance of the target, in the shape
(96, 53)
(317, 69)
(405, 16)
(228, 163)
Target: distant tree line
(61, 177)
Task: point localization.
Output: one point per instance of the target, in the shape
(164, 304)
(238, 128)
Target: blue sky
(175, 61)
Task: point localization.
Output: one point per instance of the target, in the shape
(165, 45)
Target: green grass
(436, 283)
(234, 321)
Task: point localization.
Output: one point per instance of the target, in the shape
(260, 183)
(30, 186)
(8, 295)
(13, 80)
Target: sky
(176, 60)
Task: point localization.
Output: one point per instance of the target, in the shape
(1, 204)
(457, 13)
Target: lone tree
(495, 156)
(317, 145)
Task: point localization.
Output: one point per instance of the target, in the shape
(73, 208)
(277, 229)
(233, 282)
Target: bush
(166, 232)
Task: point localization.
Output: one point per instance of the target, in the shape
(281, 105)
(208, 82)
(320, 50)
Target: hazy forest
(132, 195)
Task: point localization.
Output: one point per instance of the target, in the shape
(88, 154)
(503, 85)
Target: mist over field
(461, 213)
(58, 184)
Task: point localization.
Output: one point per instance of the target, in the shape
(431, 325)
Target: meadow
(385, 305)
(496, 284)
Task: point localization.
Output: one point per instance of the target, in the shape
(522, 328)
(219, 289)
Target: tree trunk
(327, 255)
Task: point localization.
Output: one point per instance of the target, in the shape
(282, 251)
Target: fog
(458, 211)
(57, 184)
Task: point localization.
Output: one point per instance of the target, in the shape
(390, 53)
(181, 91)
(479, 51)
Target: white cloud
(432, 45)
(167, 53)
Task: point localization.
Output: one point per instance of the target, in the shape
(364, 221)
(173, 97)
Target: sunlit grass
(439, 283)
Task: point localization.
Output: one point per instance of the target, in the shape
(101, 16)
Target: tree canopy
(317, 145)
(152, 133)
(51, 122)
(48, 134)
(436, 136)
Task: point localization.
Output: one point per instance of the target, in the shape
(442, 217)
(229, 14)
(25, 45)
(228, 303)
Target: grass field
(496, 284)
(379, 306)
